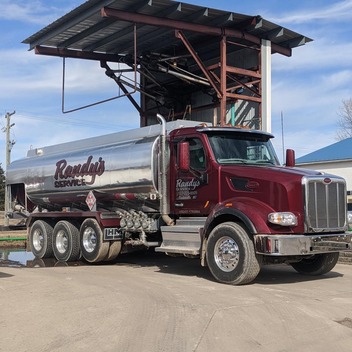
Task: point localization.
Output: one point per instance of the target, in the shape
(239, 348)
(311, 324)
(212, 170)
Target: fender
(253, 213)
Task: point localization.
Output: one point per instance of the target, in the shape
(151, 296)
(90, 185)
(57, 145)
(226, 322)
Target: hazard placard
(91, 200)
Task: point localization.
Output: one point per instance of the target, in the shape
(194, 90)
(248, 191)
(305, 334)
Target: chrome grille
(325, 199)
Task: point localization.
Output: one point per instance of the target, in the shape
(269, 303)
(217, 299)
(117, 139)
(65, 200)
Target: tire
(41, 239)
(114, 250)
(66, 241)
(230, 255)
(93, 248)
(318, 264)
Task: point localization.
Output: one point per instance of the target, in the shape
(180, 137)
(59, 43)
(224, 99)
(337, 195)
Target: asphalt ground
(157, 303)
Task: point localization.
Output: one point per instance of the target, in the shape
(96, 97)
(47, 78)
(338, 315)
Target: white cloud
(27, 76)
(34, 11)
(34, 131)
(25, 11)
(338, 11)
(314, 56)
(303, 141)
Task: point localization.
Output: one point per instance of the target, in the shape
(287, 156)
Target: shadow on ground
(270, 274)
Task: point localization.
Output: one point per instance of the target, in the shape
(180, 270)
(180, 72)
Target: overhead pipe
(183, 76)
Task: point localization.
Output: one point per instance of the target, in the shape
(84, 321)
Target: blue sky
(307, 88)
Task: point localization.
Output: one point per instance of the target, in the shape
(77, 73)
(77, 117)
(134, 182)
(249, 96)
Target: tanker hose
(164, 201)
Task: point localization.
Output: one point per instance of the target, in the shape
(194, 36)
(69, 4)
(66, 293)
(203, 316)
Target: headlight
(283, 219)
(349, 219)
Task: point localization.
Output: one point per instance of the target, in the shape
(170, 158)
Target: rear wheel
(93, 248)
(230, 255)
(66, 241)
(114, 250)
(318, 264)
(40, 239)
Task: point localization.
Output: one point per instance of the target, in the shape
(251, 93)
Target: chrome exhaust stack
(162, 175)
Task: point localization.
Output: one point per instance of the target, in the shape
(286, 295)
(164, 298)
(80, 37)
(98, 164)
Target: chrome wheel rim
(61, 242)
(89, 240)
(38, 240)
(226, 254)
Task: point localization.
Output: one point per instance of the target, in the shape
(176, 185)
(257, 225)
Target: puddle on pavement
(15, 257)
(19, 257)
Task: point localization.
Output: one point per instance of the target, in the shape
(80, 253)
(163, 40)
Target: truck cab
(251, 206)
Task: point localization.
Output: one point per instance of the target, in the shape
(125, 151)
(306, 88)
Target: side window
(197, 154)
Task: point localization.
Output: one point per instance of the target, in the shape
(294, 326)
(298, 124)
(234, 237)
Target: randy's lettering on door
(186, 188)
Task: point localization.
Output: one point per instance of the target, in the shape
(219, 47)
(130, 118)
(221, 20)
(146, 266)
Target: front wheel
(230, 254)
(318, 264)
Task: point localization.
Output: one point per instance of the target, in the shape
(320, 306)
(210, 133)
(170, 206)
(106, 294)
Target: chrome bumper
(282, 245)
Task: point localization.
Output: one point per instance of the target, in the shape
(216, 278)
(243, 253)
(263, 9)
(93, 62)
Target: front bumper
(282, 245)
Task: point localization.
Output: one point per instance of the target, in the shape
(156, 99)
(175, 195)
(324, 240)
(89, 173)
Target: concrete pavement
(157, 303)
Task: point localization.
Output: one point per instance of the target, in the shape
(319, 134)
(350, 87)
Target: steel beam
(244, 97)
(76, 54)
(266, 85)
(199, 62)
(223, 81)
(187, 26)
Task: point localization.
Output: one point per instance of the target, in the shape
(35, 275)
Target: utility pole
(9, 145)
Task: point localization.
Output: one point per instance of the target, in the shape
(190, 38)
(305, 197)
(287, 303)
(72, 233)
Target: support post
(266, 85)
(223, 82)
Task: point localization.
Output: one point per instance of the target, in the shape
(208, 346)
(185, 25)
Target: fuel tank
(118, 168)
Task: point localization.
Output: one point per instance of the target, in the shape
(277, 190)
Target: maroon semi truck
(182, 188)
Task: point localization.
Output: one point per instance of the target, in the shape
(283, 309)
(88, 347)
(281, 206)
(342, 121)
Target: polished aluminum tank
(119, 168)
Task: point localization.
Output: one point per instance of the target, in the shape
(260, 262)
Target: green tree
(2, 188)
(344, 121)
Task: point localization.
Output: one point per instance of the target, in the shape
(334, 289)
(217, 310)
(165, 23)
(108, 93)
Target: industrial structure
(186, 61)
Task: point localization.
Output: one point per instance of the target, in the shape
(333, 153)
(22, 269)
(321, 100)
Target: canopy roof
(106, 26)
(188, 57)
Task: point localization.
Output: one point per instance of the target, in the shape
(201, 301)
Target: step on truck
(182, 188)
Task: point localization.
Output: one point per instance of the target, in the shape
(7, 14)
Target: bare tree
(344, 121)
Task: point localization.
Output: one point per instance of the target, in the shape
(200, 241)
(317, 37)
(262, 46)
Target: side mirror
(183, 156)
(290, 158)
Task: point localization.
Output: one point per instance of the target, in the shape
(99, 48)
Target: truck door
(194, 189)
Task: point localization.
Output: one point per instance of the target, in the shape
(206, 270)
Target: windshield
(242, 148)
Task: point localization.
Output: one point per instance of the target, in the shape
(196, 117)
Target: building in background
(334, 159)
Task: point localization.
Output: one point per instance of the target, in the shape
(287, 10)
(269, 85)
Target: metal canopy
(157, 36)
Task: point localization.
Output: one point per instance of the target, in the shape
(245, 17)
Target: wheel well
(226, 217)
(53, 219)
(229, 218)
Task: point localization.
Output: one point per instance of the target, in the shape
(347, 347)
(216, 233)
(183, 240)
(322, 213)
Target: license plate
(112, 233)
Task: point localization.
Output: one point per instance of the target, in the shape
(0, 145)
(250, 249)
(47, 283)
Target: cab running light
(283, 219)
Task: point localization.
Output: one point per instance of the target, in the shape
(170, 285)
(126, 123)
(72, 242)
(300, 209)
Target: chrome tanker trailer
(182, 188)
(104, 183)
